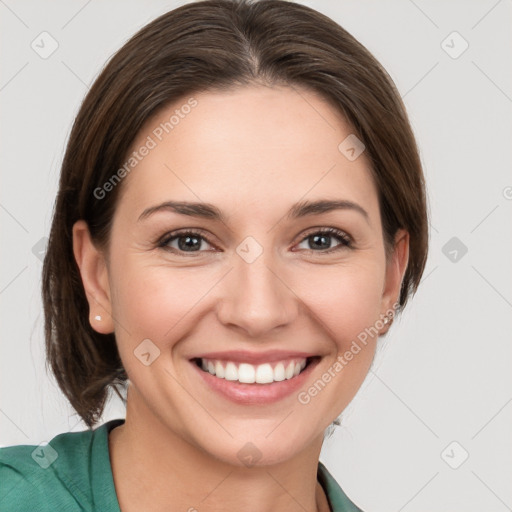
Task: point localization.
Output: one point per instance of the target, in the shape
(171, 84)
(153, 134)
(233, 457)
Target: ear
(395, 270)
(94, 272)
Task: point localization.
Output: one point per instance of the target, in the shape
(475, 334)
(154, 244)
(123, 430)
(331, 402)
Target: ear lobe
(395, 271)
(94, 273)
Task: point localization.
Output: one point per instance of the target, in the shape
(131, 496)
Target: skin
(253, 152)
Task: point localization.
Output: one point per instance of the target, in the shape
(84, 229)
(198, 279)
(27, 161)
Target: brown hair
(207, 45)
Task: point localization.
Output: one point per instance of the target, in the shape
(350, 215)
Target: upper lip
(244, 356)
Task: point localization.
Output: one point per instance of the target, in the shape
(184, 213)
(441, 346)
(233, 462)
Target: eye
(321, 240)
(185, 241)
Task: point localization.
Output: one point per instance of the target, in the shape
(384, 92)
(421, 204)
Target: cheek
(344, 303)
(151, 301)
(345, 300)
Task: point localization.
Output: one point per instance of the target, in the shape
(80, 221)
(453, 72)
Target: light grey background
(444, 372)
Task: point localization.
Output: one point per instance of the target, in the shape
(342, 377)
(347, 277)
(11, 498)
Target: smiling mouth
(246, 373)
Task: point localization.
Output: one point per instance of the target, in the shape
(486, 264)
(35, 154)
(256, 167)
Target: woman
(241, 213)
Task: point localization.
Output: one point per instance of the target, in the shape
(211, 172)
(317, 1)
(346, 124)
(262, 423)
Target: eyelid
(327, 230)
(167, 237)
(347, 240)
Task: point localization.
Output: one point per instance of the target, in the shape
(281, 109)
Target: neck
(155, 468)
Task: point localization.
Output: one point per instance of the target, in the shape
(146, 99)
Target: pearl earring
(387, 318)
(97, 317)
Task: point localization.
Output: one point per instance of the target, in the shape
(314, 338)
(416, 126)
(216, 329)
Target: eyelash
(344, 239)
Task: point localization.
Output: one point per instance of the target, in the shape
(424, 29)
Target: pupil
(190, 243)
(318, 238)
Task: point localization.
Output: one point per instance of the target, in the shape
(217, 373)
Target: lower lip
(249, 394)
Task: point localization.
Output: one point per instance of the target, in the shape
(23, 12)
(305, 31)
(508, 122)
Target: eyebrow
(298, 210)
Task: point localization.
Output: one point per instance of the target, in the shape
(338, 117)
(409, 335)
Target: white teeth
(264, 374)
(289, 371)
(249, 374)
(279, 372)
(231, 372)
(246, 373)
(219, 370)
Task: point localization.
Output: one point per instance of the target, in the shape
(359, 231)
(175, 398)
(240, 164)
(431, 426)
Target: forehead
(249, 148)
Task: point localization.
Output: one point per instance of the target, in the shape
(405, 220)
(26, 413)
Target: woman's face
(255, 284)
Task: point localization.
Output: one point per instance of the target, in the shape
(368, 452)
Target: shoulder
(52, 476)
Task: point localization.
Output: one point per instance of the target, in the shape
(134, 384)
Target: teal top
(73, 473)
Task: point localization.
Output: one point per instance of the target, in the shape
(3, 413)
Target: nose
(256, 298)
